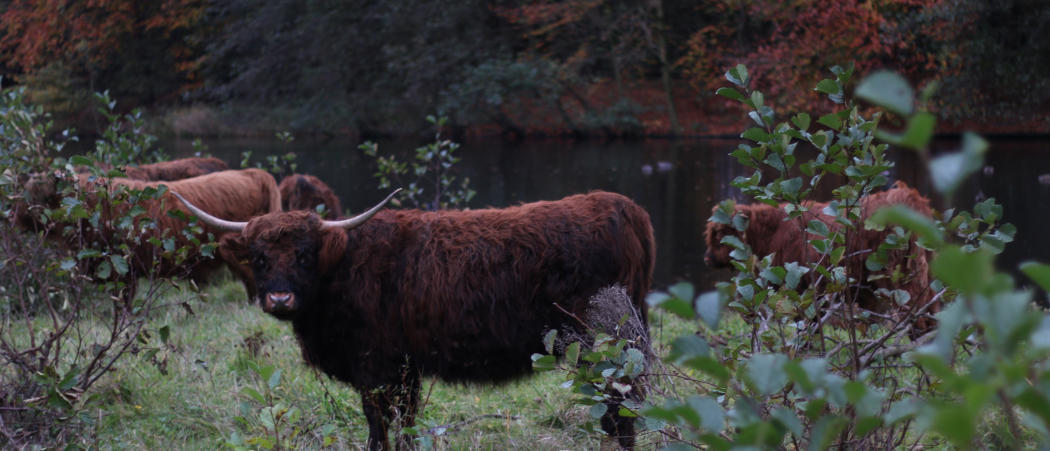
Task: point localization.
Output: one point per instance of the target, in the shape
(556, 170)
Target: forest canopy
(580, 67)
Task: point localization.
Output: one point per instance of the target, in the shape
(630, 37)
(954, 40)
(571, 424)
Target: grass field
(231, 377)
(212, 385)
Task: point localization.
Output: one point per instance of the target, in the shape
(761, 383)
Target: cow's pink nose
(279, 302)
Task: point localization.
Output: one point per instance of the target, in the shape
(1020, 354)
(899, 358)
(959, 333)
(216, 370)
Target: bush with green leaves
(278, 165)
(764, 368)
(268, 421)
(607, 355)
(59, 270)
(427, 181)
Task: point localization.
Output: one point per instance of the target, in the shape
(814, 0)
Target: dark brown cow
(769, 233)
(306, 192)
(182, 168)
(239, 194)
(387, 297)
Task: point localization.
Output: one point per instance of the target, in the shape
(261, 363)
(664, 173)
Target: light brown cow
(240, 194)
(770, 232)
(182, 168)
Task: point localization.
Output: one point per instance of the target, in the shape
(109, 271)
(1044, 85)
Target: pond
(677, 181)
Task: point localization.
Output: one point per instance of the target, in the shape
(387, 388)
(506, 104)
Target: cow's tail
(644, 261)
(642, 257)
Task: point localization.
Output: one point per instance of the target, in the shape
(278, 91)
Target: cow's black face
(285, 262)
(286, 274)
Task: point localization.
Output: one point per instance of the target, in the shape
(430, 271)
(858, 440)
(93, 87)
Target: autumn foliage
(520, 67)
(791, 44)
(124, 45)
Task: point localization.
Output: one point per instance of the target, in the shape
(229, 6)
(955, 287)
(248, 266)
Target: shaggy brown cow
(239, 194)
(387, 297)
(306, 192)
(182, 168)
(769, 233)
(176, 169)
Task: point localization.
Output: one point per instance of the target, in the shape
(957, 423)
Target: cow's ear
(332, 248)
(233, 248)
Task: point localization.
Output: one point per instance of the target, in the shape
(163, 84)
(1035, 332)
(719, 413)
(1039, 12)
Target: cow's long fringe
(610, 311)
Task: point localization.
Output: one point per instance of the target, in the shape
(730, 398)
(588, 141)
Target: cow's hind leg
(407, 402)
(618, 427)
(388, 403)
(605, 313)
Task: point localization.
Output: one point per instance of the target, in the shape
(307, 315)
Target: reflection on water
(676, 181)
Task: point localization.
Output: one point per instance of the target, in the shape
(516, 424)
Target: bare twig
(901, 326)
(451, 427)
(1011, 416)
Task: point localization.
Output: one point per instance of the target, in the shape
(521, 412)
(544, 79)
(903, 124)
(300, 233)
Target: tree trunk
(665, 67)
(618, 76)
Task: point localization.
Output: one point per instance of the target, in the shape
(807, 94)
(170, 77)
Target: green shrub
(278, 165)
(58, 271)
(427, 180)
(784, 377)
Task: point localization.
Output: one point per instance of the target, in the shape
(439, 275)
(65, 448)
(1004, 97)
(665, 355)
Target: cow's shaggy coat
(465, 296)
(306, 192)
(770, 232)
(182, 168)
(179, 169)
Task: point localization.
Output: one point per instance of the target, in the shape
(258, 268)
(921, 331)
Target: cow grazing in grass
(182, 168)
(770, 232)
(239, 194)
(387, 297)
(306, 192)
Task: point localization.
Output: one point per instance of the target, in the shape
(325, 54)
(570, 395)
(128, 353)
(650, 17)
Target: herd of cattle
(384, 298)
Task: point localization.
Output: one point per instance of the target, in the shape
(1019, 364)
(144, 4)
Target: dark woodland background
(573, 67)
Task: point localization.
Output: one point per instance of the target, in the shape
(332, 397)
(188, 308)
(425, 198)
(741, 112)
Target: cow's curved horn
(222, 224)
(355, 221)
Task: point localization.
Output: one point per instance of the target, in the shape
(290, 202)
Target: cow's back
(306, 192)
(176, 169)
(237, 195)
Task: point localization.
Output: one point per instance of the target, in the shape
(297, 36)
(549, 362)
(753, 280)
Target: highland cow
(387, 297)
(769, 231)
(306, 192)
(182, 168)
(239, 194)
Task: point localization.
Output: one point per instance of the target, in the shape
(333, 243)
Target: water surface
(677, 181)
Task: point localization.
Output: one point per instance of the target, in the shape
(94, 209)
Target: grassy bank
(231, 377)
(196, 392)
